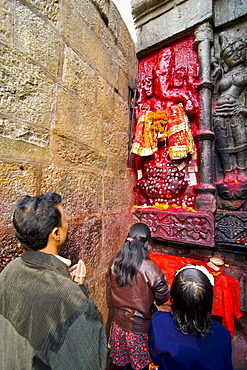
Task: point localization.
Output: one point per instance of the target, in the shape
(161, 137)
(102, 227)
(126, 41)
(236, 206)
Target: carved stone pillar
(205, 200)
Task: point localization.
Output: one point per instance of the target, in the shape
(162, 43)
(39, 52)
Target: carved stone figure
(230, 113)
(166, 122)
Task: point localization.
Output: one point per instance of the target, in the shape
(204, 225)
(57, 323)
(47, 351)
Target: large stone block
(22, 150)
(24, 132)
(115, 20)
(23, 141)
(84, 242)
(116, 143)
(79, 76)
(116, 168)
(50, 9)
(77, 120)
(92, 244)
(107, 63)
(25, 91)
(30, 32)
(81, 190)
(123, 85)
(97, 292)
(105, 97)
(77, 34)
(75, 154)
(88, 12)
(17, 180)
(121, 114)
(116, 227)
(118, 194)
(181, 16)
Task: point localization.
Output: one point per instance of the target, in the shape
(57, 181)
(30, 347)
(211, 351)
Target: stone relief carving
(229, 73)
(166, 121)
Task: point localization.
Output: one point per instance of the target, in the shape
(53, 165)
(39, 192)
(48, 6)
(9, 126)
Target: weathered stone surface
(64, 121)
(25, 91)
(81, 190)
(92, 244)
(232, 10)
(49, 9)
(23, 132)
(9, 247)
(116, 200)
(140, 6)
(97, 291)
(79, 76)
(115, 20)
(181, 17)
(116, 130)
(6, 21)
(116, 227)
(117, 168)
(123, 85)
(74, 30)
(77, 120)
(88, 12)
(85, 242)
(79, 155)
(30, 33)
(23, 150)
(105, 97)
(17, 180)
(121, 113)
(115, 142)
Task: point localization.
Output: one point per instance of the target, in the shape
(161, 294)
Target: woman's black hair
(135, 249)
(192, 299)
(34, 218)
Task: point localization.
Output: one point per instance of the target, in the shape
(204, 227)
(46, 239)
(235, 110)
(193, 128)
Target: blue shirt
(172, 350)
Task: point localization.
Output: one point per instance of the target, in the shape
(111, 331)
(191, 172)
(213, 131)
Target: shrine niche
(164, 145)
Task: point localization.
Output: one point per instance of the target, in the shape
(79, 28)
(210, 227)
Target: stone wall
(66, 68)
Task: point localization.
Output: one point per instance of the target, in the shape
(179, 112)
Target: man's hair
(34, 218)
(192, 299)
(133, 252)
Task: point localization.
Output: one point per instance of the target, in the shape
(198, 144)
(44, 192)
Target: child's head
(132, 253)
(192, 299)
(140, 232)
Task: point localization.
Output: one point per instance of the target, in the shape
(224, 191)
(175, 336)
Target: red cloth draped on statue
(154, 126)
(226, 302)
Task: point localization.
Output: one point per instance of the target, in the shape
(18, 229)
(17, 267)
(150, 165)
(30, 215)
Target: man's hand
(78, 272)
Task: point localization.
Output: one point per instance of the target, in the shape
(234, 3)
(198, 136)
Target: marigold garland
(165, 207)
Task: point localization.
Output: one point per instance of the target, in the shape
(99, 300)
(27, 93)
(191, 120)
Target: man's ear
(55, 233)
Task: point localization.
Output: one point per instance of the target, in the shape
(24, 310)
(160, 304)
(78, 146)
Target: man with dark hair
(47, 320)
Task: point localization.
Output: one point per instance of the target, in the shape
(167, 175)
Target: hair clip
(130, 239)
(198, 267)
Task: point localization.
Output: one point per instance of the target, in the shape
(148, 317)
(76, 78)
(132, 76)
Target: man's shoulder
(14, 264)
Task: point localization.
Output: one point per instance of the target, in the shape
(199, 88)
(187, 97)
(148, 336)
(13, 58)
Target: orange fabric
(226, 302)
(145, 141)
(180, 139)
(156, 126)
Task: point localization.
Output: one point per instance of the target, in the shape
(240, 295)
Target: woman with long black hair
(187, 337)
(136, 283)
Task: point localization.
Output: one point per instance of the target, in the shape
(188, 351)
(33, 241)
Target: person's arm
(158, 284)
(84, 345)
